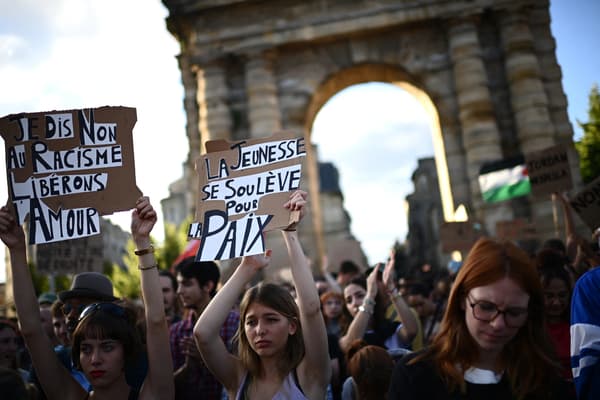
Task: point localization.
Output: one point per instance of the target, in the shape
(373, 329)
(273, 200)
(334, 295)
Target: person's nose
(261, 328)
(499, 322)
(96, 357)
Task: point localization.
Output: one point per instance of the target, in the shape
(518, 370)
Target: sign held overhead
(243, 186)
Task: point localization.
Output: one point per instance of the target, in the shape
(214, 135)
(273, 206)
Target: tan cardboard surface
(66, 168)
(345, 250)
(549, 171)
(243, 186)
(517, 229)
(586, 204)
(459, 236)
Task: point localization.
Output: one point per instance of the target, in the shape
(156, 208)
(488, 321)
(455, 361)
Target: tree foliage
(126, 281)
(589, 145)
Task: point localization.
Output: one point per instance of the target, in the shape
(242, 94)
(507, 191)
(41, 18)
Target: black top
(421, 381)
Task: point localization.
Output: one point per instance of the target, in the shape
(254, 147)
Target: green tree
(589, 145)
(126, 281)
(174, 243)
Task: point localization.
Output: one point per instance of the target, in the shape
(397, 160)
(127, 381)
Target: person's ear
(209, 286)
(293, 327)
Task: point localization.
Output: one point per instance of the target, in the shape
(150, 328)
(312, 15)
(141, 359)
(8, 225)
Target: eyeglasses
(110, 308)
(486, 311)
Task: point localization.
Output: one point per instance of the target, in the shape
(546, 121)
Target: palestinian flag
(503, 180)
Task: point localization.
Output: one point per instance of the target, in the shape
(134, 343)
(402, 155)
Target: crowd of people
(506, 325)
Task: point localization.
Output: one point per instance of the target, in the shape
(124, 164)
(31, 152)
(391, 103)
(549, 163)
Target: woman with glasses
(492, 342)
(282, 345)
(106, 339)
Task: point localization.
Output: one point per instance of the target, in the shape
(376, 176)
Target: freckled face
(267, 330)
(102, 360)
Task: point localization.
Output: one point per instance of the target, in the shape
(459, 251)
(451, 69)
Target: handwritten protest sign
(67, 168)
(71, 256)
(549, 170)
(586, 204)
(459, 236)
(243, 186)
(345, 250)
(516, 229)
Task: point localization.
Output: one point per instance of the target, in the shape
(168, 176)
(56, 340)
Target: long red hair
(527, 358)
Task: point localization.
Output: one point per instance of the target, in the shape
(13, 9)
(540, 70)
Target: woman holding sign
(282, 346)
(106, 339)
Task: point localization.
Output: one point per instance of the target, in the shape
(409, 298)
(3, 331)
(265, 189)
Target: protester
(585, 335)
(332, 305)
(336, 322)
(9, 345)
(367, 306)
(168, 284)
(370, 369)
(282, 345)
(556, 284)
(348, 271)
(105, 338)
(59, 323)
(430, 313)
(197, 284)
(492, 342)
(86, 288)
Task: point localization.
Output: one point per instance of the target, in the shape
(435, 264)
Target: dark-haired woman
(106, 338)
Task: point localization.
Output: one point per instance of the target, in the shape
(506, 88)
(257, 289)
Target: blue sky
(60, 54)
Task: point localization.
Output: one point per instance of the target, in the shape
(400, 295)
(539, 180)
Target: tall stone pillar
(264, 115)
(480, 135)
(214, 120)
(535, 130)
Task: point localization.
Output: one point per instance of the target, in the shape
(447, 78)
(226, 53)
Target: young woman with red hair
(492, 342)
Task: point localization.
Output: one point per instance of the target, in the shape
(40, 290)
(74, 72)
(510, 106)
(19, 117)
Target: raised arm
(225, 367)
(334, 286)
(53, 376)
(314, 371)
(159, 381)
(409, 327)
(360, 322)
(572, 238)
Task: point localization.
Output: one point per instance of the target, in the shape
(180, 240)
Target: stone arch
(489, 70)
(369, 72)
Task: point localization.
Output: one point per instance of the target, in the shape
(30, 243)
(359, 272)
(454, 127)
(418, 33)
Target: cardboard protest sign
(71, 256)
(586, 204)
(345, 250)
(67, 168)
(459, 236)
(243, 186)
(516, 229)
(549, 170)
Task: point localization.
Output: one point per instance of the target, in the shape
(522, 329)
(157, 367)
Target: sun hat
(93, 285)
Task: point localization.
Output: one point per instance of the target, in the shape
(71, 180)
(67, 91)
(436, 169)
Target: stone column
(528, 99)
(480, 135)
(214, 120)
(535, 130)
(188, 77)
(264, 115)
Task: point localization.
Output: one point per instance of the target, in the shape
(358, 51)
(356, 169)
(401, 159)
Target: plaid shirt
(200, 382)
